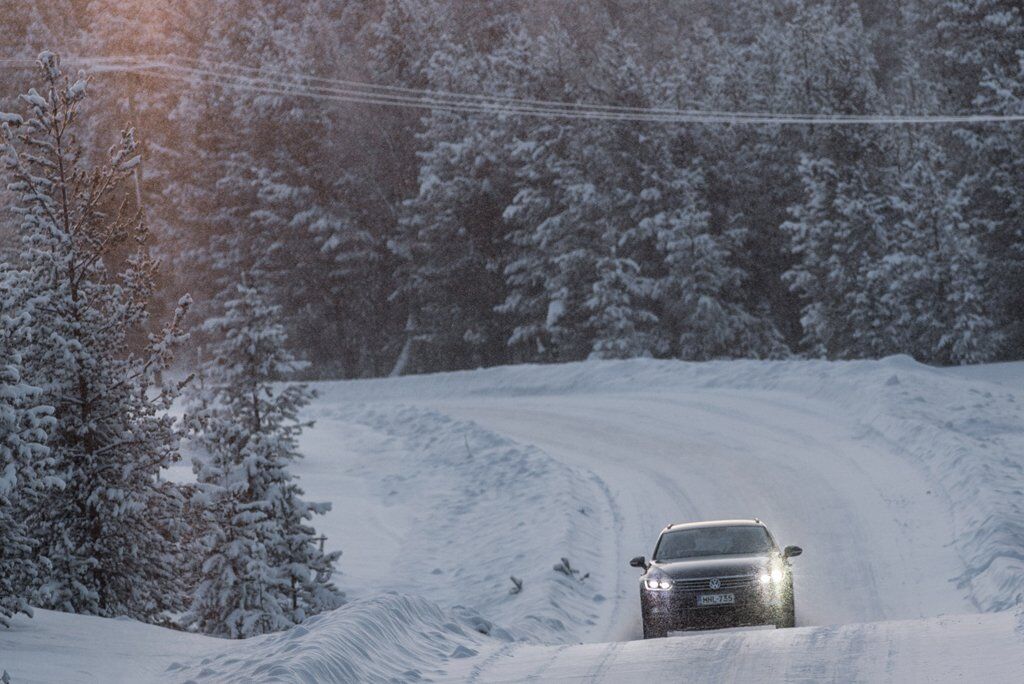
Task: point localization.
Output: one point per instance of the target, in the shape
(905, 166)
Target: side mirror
(791, 551)
(639, 562)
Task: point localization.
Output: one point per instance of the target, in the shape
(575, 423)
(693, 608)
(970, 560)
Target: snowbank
(60, 647)
(1010, 373)
(483, 508)
(963, 648)
(389, 638)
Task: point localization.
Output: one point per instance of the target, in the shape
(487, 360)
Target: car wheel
(787, 614)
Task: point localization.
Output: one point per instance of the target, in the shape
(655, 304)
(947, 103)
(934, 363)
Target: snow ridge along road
(902, 483)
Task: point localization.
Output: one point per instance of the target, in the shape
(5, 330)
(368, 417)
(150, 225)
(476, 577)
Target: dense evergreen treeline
(89, 522)
(404, 240)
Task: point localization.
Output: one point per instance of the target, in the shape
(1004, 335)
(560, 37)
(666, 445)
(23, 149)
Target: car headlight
(773, 576)
(658, 584)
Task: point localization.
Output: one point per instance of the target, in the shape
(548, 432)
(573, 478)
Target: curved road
(875, 531)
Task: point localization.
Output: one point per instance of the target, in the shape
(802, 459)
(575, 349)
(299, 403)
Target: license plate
(716, 599)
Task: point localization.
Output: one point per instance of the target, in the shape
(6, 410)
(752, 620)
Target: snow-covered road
(903, 484)
(971, 648)
(875, 532)
(851, 462)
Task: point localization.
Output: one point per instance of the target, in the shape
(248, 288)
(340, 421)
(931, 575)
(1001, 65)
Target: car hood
(712, 566)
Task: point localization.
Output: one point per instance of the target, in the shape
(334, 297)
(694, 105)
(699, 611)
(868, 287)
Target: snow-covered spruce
(24, 458)
(108, 534)
(263, 569)
(926, 296)
(570, 241)
(364, 229)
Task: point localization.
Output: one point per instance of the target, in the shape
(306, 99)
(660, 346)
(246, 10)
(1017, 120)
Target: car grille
(704, 583)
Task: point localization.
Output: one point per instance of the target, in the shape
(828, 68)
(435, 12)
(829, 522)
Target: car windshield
(728, 540)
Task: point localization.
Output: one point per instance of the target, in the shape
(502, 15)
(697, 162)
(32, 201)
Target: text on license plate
(716, 599)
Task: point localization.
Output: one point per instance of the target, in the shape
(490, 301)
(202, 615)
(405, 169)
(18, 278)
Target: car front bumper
(679, 610)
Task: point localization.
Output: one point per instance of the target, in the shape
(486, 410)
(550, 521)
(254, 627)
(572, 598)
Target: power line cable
(461, 96)
(614, 112)
(375, 90)
(340, 90)
(579, 112)
(433, 103)
(435, 95)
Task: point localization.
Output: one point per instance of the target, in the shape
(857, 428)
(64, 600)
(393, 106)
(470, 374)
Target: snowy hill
(902, 483)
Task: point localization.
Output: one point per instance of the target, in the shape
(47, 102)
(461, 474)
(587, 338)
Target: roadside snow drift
(967, 648)
(382, 639)
(390, 637)
(903, 484)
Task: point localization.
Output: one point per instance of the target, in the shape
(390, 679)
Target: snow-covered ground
(903, 484)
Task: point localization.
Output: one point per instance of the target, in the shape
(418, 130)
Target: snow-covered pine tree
(838, 233)
(974, 50)
(299, 557)
(699, 286)
(615, 253)
(730, 62)
(236, 592)
(263, 570)
(135, 28)
(108, 534)
(621, 327)
(622, 321)
(937, 302)
(24, 460)
(699, 208)
(1003, 177)
(318, 183)
(577, 285)
(896, 271)
(452, 235)
(542, 301)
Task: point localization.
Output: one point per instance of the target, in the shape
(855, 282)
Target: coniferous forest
(89, 521)
(406, 239)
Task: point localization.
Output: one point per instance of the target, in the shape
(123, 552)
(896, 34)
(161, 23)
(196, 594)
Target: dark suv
(724, 573)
